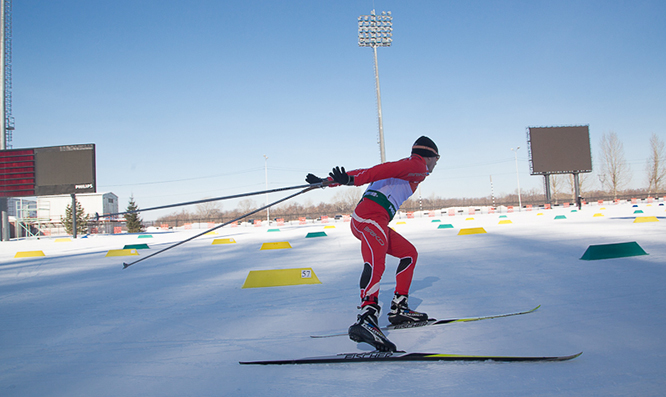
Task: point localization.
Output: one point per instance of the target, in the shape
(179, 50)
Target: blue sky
(183, 100)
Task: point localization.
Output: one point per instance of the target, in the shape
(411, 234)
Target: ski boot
(401, 313)
(366, 330)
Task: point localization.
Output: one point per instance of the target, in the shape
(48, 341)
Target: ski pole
(307, 189)
(97, 216)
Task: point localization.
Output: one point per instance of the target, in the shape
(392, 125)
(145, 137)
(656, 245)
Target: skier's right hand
(339, 175)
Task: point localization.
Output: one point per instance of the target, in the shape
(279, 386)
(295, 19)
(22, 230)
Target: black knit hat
(425, 147)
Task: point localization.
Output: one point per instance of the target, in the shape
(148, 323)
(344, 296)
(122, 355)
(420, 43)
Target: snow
(75, 323)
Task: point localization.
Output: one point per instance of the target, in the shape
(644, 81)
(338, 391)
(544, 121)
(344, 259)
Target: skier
(391, 184)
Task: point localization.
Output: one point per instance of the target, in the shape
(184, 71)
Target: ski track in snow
(75, 323)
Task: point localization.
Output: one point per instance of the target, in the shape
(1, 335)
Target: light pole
(6, 99)
(515, 153)
(492, 192)
(268, 210)
(376, 31)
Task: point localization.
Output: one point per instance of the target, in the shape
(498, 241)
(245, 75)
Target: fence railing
(31, 229)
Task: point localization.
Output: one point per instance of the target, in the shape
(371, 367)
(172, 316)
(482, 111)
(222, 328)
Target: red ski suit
(391, 184)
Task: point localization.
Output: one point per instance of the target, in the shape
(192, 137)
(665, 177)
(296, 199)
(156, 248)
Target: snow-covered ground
(75, 323)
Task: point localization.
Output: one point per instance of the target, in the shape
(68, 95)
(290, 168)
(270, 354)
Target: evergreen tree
(81, 219)
(133, 222)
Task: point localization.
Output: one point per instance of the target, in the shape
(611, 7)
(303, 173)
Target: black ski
(403, 356)
(433, 321)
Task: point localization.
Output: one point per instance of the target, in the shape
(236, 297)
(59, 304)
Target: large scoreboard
(48, 171)
(559, 150)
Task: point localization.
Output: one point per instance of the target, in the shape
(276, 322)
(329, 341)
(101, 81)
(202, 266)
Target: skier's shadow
(417, 285)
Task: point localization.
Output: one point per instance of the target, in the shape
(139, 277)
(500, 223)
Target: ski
(433, 321)
(403, 356)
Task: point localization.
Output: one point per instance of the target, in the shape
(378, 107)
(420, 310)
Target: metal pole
(515, 153)
(73, 215)
(268, 210)
(579, 199)
(376, 31)
(382, 152)
(4, 216)
(547, 182)
(3, 144)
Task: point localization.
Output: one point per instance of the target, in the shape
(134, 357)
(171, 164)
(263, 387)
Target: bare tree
(556, 185)
(656, 165)
(614, 172)
(209, 210)
(346, 199)
(246, 205)
(412, 204)
(584, 180)
(572, 186)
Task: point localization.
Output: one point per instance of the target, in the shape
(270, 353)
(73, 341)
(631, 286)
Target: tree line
(613, 174)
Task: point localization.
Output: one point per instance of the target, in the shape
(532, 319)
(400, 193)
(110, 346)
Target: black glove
(340, 176)
(313, 179)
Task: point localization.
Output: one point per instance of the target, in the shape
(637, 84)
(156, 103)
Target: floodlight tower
(6, 77)
(376, 31)
(6, 71)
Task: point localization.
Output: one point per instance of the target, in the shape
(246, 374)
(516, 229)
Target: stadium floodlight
(376, 31)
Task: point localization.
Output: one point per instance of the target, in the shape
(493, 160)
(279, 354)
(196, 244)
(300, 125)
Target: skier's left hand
(312, 179)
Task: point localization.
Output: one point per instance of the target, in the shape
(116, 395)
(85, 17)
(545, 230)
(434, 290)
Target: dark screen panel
(48, 171)
(561, 150)
(65, 170)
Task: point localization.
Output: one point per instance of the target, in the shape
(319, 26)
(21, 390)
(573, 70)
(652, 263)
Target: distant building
(22, 208)
(53, 208)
